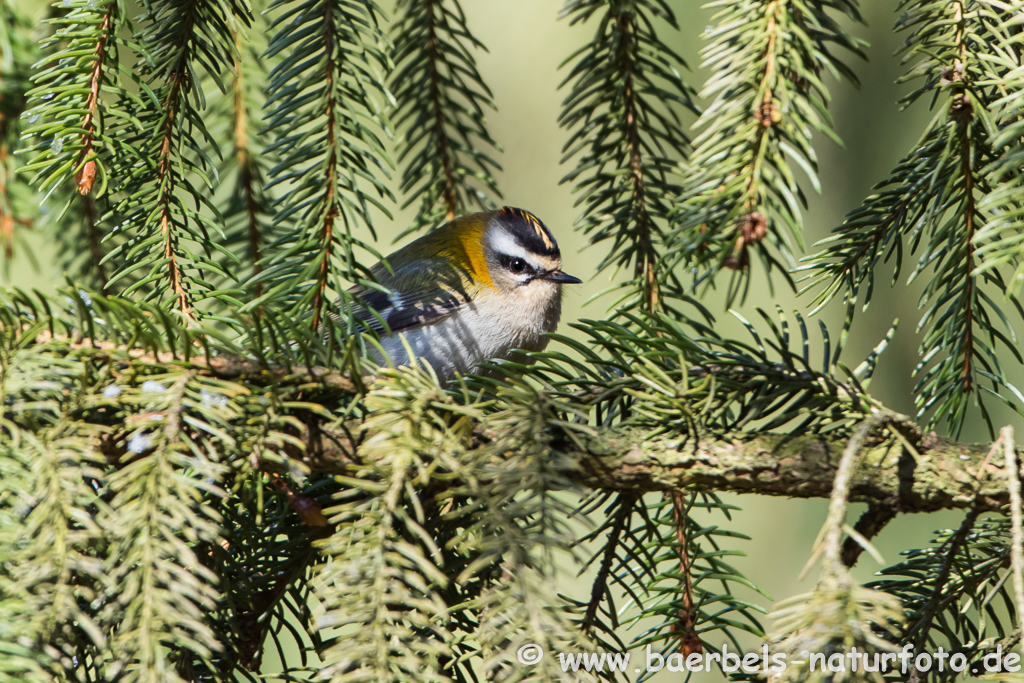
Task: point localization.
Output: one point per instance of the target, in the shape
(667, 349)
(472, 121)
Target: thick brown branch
(947, 474)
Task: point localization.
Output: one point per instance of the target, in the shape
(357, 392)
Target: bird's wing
(418, 294)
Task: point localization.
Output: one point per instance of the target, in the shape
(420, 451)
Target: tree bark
(944, 474)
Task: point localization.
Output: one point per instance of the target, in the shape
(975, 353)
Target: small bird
(476, 288)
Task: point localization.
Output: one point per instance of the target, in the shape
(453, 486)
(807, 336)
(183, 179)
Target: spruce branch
(18, 51)
(329, 150)
(487, 472)
(263, 566)
(246, 208)
(649, 434)
(72, 151)
(53, 561)
(387, 589)
(622, 109)
(935, 202)
(68, 113)
(920, 627)
(741, 194)
(521, 522)
(446, 152)
(954, 592)
(162, 162)
(169, 459)
(249, 179)
(626, 136)
(160, 587)
(1012, 465)
(1000, 243)
(622, 510)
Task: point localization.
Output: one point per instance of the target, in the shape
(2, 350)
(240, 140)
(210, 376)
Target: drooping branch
(626, 140)
(177, 84)
(328, 151)
(331, 209)
(441, 135)
(741, 197)
(949, 230)
(248, 171)
(162, 170)
(86, 173)
(445, 153)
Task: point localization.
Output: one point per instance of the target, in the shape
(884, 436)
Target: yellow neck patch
(463, 244)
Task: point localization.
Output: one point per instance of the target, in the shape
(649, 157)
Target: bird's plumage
(477, 287)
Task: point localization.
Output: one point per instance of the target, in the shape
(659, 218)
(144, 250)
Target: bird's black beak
(559, 276)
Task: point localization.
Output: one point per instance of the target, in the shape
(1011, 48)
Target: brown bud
(961, 107)
(768, 114)
(691, 645)
(308, 510)
(85, 177)
(738, 261)
(754, 227)
(951, 74)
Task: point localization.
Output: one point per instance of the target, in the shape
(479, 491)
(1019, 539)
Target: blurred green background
(526, 44)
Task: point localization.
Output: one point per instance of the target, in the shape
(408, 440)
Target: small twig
(308, 510)
(1017, 542)
(645, 268)
(868, 526)
(599, 588)
(247, 169)
(928, 613)
(331, 210)
(841, 487)
(686, 621)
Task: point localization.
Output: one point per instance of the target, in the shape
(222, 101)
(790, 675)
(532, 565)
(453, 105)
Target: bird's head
(522, 255)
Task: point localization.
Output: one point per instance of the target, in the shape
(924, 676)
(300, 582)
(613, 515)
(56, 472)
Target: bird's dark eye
(518, 266)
